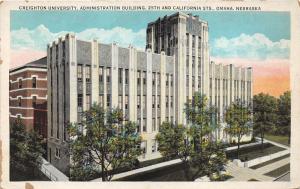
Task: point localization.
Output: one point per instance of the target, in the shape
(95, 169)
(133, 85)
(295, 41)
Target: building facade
(28, 95)
(150, 87)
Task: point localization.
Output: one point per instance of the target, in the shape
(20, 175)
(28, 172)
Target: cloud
(39, 37)
(256, 46)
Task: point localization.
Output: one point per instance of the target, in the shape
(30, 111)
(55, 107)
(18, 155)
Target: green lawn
(278, 138)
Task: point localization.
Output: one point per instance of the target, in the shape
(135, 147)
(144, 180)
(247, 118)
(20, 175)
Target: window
(138, 102)
(144, 78)
(34, 82)
(88, 102)
(108, 100)
(153, 101)
(79, 72)
(126, 76)
(19, 101)
(88, 73)
(57, 152)
(101, 100)
(158, 101)
(193, 41)
(153, 78)
(34, 101)
(158, 123)
(144, 125)
(144, 147)
(171, 102)
(20, 83)
(153, 125)
(120, 101)
(171, 80)
(79, 102)
(126, 102)
(101, 74)
(167, 80)
(138, 78)
(158, 79)
(144, 103)
(187, 63)
(138, 125)
(120, 73)
(187, 40)
(167, 101)
(107, 75)
(153, 147)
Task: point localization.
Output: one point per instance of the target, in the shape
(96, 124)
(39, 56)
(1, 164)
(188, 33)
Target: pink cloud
(21, 57)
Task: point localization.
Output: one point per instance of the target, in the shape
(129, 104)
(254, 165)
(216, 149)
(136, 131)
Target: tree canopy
(102, 142)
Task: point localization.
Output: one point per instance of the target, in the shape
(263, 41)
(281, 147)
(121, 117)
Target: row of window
(20, 83)
(34, 101)
(140, 75)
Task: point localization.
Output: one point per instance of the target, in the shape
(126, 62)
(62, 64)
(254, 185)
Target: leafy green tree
(25, 152)
(284, 113)
(265, 114)
(238, 119)
(102, 142)
(200, 156)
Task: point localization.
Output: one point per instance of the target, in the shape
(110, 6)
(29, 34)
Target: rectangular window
(79, 102)
(167, 80)
(88, 73)
(158, 123)
(107, 75)
(101, 100)
(153, 125)
(138, 78)
(79, 72)
(138, 125)
(144, 102)
(153, 147)
(20, 83)
(171, 102)
(187, 40)
(57, 152)
(144, 78)
(120, 73)
(144, 125)
(34, 82)
(158, 79)
(126, 76)
(101, 74)
(138, 102)
(108, 100)
(126, 102)
(193, 41)
(88, 102)
(34, 101)
(153, 78)
(19, 101)
(158, 101)
(167, 101)
(153, 101)
(120, 101)
(171, 80)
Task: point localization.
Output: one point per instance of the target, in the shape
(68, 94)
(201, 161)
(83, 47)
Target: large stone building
(28, 95)
(150, 87)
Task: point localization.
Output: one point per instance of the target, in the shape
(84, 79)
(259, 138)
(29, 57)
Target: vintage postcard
(126, 94)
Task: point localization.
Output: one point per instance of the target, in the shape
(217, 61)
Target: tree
(104, 142)
(265, 114)
(238, 119)
(284, 113)
(200, 156)
(25, 152)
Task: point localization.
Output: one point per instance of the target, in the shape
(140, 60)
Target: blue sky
(232, 34)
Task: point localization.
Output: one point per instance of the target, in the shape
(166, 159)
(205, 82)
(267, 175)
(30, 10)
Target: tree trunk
(238, 149)
(262, 141)
(102, 167)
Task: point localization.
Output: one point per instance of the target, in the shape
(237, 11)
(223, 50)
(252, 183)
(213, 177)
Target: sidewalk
(273, 166)
(52, 173)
